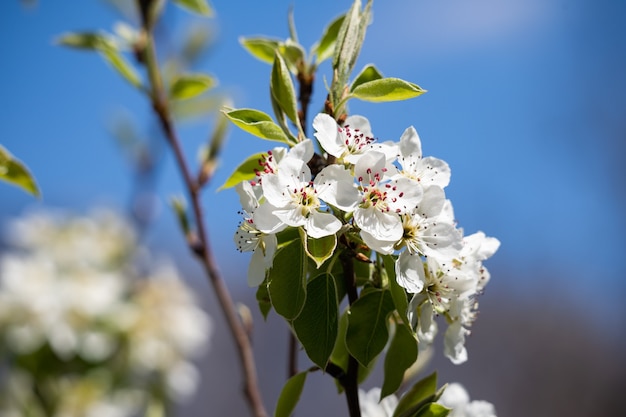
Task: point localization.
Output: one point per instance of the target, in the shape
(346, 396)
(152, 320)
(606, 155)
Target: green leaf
(257, 123)
(316, 326)
(180, 208)
(191, 85)
(369, 73)
(293, 54)
(326, 46)
(87, 40)
(287, 280)
(15, 172)
(367, 325)
(282, 89)
(433, 410)
(321, 249)
(263, 299)
(119, 63)
(244, 172)
(107, 48)
(420, 394)
(264, 49)
(386, 89)
(397, 292)
(402, 353)
(200, 7)
(290, 395)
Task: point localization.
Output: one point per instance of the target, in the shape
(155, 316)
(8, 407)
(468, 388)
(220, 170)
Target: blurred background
(526, 102)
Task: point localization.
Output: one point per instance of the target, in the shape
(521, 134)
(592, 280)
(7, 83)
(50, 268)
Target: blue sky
(526, 102)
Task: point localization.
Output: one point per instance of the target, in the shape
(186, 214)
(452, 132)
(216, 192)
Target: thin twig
(202, 247)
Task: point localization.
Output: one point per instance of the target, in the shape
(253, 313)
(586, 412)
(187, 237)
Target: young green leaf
(287, 280)
(200, 7)
(290, 395)
(257, 123)
(402, 353)
(282, 89)
(386, 89)
(326, 46)
(191, 85)
(264, 49)
(119, 63)
(87, 40)
(180, 208)
(15, 172)
(244, 172)
(367, 325)
(294, 55)
(433, 410)
(423, 392)
(369, 73)
(317, 324)
(321, 249)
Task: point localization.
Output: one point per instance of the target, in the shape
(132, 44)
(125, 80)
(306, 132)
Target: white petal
(410, 272)
(266, 221)
(381, 246)
(369, 165)
(432, 202)
(275, 190)
(327, 133)
(335, 185)
(256, 269)
(404, 194)
(454, 343)
(434, 171)
(291, 216)
(302, 151)
(382, 226)
(247, 197)
(321, 224)
(410, 144)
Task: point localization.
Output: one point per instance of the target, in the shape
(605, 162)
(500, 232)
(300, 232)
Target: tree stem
(351, 381)
(202, 246)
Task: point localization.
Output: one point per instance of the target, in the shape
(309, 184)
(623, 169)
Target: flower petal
(321, 224)
(410, 272)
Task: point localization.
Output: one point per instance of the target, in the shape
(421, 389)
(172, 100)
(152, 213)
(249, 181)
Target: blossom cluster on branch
(389, 198)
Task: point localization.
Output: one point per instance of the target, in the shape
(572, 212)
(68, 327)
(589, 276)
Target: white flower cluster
(393, 197)
(71, 298)
(454, 397)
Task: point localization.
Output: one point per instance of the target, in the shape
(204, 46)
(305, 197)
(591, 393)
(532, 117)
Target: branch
(202, 246)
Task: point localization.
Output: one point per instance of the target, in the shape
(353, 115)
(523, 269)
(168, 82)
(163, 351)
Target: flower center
(306, 198)
(354, 140)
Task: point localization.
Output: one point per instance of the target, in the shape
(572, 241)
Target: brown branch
(202, 246)
(351, 379)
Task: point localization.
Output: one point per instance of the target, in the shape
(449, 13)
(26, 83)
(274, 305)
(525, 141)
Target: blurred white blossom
(81, 326)
(457, 399)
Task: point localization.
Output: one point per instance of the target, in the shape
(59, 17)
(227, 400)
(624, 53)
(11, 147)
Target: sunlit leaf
(15, 172)
(316, 326)
(87, 40)
(369, 73)
(367, 325)
(421, 393)
(287, 280)
(261, 48)
(244, 172)
(433, 410)
(200, 7)
(119, 63)
(191, 85)
(290, 395)
(326, 46)
(321, 249)
(257, 123)
(386, 89)
(283, 90)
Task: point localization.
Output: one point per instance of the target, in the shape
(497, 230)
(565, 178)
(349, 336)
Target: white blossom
(372, 406)
(457, 399)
